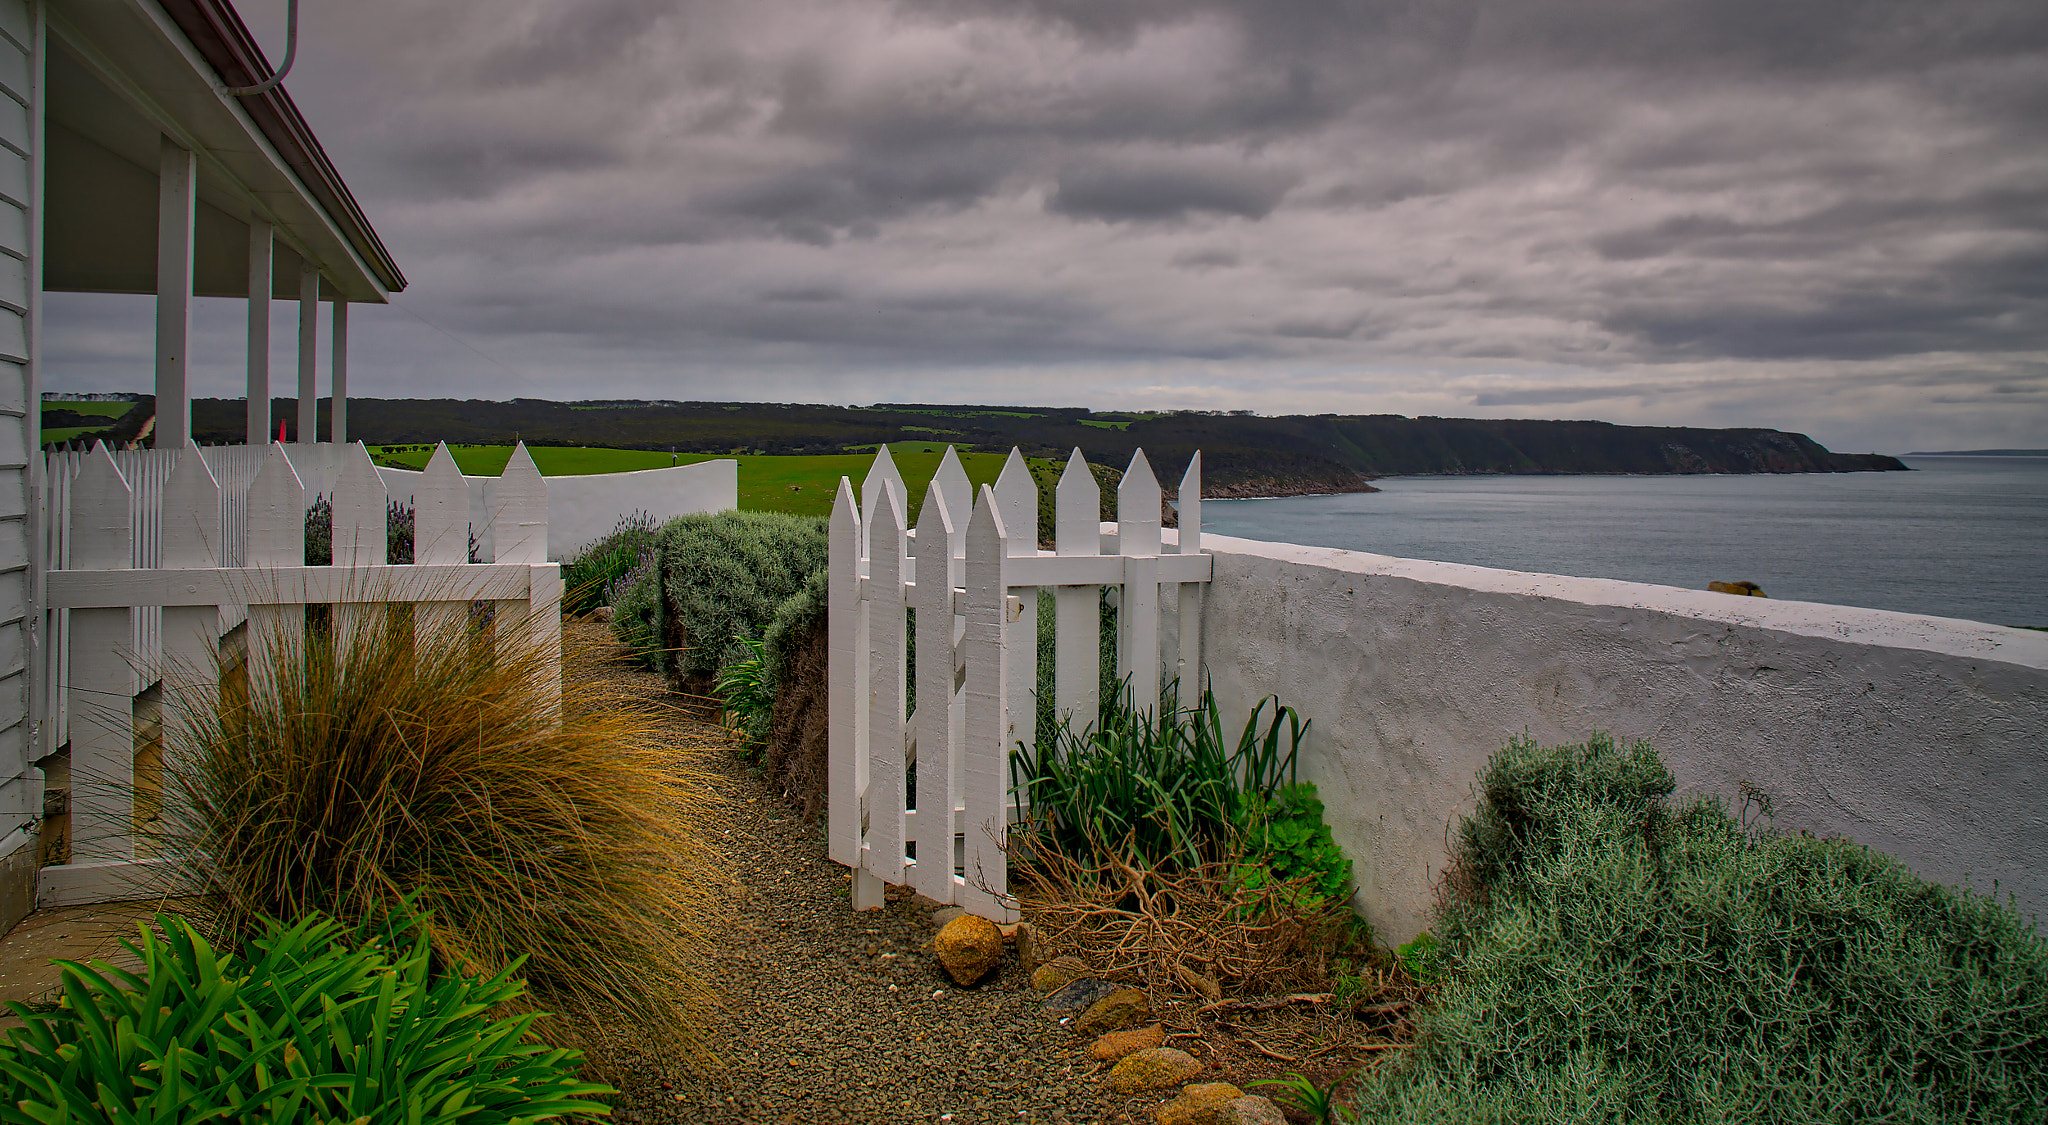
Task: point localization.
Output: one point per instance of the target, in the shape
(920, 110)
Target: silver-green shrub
(1614, 956)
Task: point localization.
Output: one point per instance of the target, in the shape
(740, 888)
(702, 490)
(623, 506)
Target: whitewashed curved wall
(582, 509)
(1925, 738)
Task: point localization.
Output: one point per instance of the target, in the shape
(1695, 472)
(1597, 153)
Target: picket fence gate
(170, 553)
(924, 799)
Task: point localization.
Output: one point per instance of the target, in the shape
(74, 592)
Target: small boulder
(1058, 973)
(968, 947)
(1251, 1110)
(1746, 589)
(1076, 996)
(1119, 1009)
(944, 915)
(1200, 1104)
(1158, 1068)
(1116, 1044)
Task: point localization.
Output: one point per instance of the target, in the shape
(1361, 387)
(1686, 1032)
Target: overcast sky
(1820, 215)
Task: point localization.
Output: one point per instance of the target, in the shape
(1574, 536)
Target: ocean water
(1959, 537)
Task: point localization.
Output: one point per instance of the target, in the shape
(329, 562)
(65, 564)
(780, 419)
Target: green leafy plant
(1319, 1102)
(1286, 841)
(1421, 958)
(414, 754)
(1162, 787)
(307, 1026)
(744, 696)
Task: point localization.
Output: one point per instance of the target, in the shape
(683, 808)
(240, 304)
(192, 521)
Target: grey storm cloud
(1829, 214)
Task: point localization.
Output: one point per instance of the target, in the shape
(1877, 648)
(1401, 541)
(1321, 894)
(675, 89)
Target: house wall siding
(20, 432)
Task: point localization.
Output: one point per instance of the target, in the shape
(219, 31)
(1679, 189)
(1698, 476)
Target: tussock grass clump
(421, 756)
(1618, 957)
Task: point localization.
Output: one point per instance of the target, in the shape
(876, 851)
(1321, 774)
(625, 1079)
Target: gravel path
(833, 1016)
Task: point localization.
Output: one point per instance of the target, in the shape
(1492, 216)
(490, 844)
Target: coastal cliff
(1242, 454)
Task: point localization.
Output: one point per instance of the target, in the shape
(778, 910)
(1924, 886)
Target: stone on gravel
(1154, 1069)
(1251, 1110)
(968, 947)
(1058, 973)
(1076, 996)
(1117, 1044)
(1200, 1104)
(1025, 939)
(1119, 1009)
(944, 915)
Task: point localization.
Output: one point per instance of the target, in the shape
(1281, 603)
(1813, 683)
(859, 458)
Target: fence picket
(1017, 504)
(191, 530)
(1137, 510)
(951, 482)
(937, 784)
(1077, 629)
(101, 537)
(276, 536)
(884, 809)
(983, 774)
(844, 780)
(1189, 512)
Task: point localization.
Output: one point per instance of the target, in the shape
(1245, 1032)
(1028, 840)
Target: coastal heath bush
(1613, 956)
(717, 578)
(414, 757)
(590, 578)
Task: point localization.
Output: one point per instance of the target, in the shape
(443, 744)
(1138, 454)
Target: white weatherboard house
(135, 158)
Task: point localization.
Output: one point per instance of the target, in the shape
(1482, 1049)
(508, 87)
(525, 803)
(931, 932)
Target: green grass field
(108, 410)
(800, 485)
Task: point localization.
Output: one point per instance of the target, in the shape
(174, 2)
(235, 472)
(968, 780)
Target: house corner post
(177, 202)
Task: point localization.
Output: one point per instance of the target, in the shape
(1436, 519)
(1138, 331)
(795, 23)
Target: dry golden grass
(389, 756)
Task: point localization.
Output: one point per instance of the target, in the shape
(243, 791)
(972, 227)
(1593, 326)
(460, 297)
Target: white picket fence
(179, 550)
(971, 570)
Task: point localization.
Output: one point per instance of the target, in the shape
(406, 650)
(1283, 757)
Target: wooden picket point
(951, 482)
(845, 776)
(361, 508)
(984, 777)
(882, 474)
(883, 813)
(274, 536)
(1017, 505)
(101, 535)
(1189, 515)
(937, 783)
(1137, 650)
(1077, 624)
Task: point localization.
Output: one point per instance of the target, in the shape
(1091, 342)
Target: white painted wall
(1925, 738)
(582, 509)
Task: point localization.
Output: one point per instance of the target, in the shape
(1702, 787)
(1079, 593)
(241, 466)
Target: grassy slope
(109, 410)
(800, 485)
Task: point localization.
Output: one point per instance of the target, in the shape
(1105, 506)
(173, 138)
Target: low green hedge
(309, 1026)
(1618, 957)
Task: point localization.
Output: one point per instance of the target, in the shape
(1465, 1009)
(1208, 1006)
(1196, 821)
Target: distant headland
(1243, 454)
(1980, 453)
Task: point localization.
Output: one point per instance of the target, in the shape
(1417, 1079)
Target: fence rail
(923, 798)
(149, 572)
